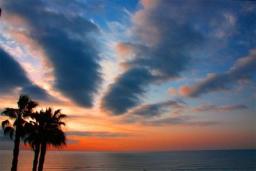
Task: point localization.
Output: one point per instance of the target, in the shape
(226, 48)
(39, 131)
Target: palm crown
(46, 128)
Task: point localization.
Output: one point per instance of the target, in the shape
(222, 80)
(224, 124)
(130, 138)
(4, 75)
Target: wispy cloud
(156, 109)
(224, 108)
(101, 134)
(180, 120)
(243, 68)
(170, 112)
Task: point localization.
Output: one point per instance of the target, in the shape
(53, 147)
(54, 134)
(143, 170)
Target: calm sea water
(231, 160)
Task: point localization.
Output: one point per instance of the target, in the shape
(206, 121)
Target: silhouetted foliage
(38, 129)
(17, 128)
(45, 130)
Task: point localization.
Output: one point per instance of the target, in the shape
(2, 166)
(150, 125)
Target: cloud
(124, 49)
(162, 46)
(244, 67)
(180, 120)
(172, 91)
(11, 73)
(224, 108)
(13, 77)
(184, 90)
(171, 112)
(72, 141)
(125, 92)
(69, 42)
(183, 120)
(101, 134)
(35, 92)
(156, 109)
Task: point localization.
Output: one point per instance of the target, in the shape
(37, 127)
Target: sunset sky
(134, 75)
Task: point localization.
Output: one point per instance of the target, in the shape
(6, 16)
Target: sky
(135, 75)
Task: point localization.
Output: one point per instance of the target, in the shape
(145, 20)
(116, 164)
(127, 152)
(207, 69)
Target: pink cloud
(184, 90)
(123, 49)
(172, 91)
(149, 3)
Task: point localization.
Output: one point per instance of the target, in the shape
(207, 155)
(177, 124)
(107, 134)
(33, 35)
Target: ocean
(224, 160)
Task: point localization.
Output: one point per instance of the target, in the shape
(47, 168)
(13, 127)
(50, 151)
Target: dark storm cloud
(101, 134)
(244, 68)
(156, 109)
(163, 52)
(70, 44)
(13, 76)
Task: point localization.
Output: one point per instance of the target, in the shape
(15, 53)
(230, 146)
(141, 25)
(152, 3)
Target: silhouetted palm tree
(33, 139)
(25, 107)
(46, 130)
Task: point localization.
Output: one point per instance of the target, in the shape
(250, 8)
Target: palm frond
(19, 122)
(57, 138)
(61, 123)
(56, 113)
(61, 116)
(46, 128)
(32, 104)
(9, 130)
(11, 112)
(32, 115)
(5, 123)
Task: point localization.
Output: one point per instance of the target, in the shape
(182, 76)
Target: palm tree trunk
(42, 157)
(36, 155)
(16, 152)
